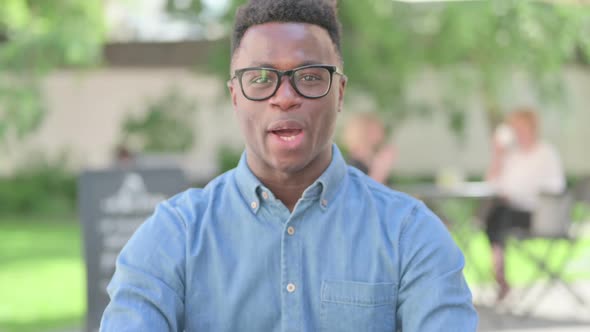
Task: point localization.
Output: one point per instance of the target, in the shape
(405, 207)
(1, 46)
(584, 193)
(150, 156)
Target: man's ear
(232, 93)
(341, 89)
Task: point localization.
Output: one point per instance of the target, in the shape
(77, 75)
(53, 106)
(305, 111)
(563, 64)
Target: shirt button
(254, 205)
(290, 288)
(290, 230)
(264, 195)
(324, 203)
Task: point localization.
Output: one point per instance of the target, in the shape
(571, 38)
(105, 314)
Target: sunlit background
(86, 85)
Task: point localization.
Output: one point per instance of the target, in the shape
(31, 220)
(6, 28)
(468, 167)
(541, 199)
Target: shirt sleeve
(147, 288)
(433, 294)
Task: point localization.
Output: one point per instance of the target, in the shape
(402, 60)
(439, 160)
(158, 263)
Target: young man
(292, 239)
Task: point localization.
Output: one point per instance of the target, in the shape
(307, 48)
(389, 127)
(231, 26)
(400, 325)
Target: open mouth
(287, 135)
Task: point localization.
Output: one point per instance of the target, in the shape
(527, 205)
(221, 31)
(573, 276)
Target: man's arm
(497, 162)
(433, 294)
(147, 289)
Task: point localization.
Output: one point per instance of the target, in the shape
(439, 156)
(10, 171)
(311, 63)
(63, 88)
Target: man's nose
(286, 96)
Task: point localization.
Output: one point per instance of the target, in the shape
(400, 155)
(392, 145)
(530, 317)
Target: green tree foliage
(474, 45)
(165, 127)
(187, 9)
(37, 36)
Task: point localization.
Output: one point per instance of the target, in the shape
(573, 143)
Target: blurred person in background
(522, 166)
(292, 239)
(124, 157)
(364, 140)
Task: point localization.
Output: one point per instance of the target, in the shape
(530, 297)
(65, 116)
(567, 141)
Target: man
(292, 239)
(364, 139)
(522, 168)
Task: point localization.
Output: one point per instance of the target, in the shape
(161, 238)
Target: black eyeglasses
(313, 81)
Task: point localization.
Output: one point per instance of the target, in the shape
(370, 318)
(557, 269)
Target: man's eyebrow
(270, 65)
(261, 64)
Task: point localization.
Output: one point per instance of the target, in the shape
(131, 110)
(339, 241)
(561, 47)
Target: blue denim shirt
(353, 255)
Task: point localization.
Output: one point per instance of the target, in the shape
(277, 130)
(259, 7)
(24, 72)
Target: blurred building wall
(427, 145)
(86, 110)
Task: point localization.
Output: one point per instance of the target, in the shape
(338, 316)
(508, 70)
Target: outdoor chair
(581, 191)
(551, 222)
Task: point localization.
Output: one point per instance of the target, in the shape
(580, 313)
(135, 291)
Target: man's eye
(309, 77)
(261, 77)
(261, 80)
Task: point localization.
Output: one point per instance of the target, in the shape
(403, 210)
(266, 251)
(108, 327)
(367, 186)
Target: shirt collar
(248, 183)
(324, 188)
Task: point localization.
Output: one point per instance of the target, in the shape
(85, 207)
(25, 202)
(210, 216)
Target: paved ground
(540, 310)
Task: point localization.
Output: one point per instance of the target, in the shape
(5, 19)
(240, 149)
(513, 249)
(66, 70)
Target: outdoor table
(430, 191)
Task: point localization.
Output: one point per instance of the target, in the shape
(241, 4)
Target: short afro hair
(319, 12)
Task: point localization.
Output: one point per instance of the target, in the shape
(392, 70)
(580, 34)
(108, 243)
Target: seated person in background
(124, 157)
(521, 168)
(364, 136)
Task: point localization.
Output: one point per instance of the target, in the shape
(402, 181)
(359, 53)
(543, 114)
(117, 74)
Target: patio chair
(581, 190)
(551, 222)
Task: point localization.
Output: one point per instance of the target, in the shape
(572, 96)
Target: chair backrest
(581, 194)
(552, 218)
(581, 190)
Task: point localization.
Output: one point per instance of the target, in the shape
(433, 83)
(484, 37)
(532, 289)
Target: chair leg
(555, 274)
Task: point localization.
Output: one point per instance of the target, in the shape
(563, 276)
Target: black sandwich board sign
(112, 204)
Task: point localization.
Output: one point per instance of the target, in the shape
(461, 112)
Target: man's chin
(289, 165)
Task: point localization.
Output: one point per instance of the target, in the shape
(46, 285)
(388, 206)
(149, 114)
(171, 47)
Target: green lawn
(42, 277)
(519, 269)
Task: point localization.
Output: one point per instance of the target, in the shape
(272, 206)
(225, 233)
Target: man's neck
(288, 187)
(289, 190)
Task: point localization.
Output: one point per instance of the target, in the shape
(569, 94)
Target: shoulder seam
(412, 214)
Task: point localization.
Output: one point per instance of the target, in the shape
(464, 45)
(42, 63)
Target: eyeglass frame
(289, 73)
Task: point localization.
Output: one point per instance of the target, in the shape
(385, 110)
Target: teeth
(287, 138)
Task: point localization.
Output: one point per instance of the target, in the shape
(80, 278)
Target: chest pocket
(357, 306)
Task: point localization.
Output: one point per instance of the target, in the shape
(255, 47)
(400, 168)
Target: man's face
(375, 134)
(287, 133)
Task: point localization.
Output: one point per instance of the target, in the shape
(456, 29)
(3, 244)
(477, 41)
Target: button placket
(291, 276)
